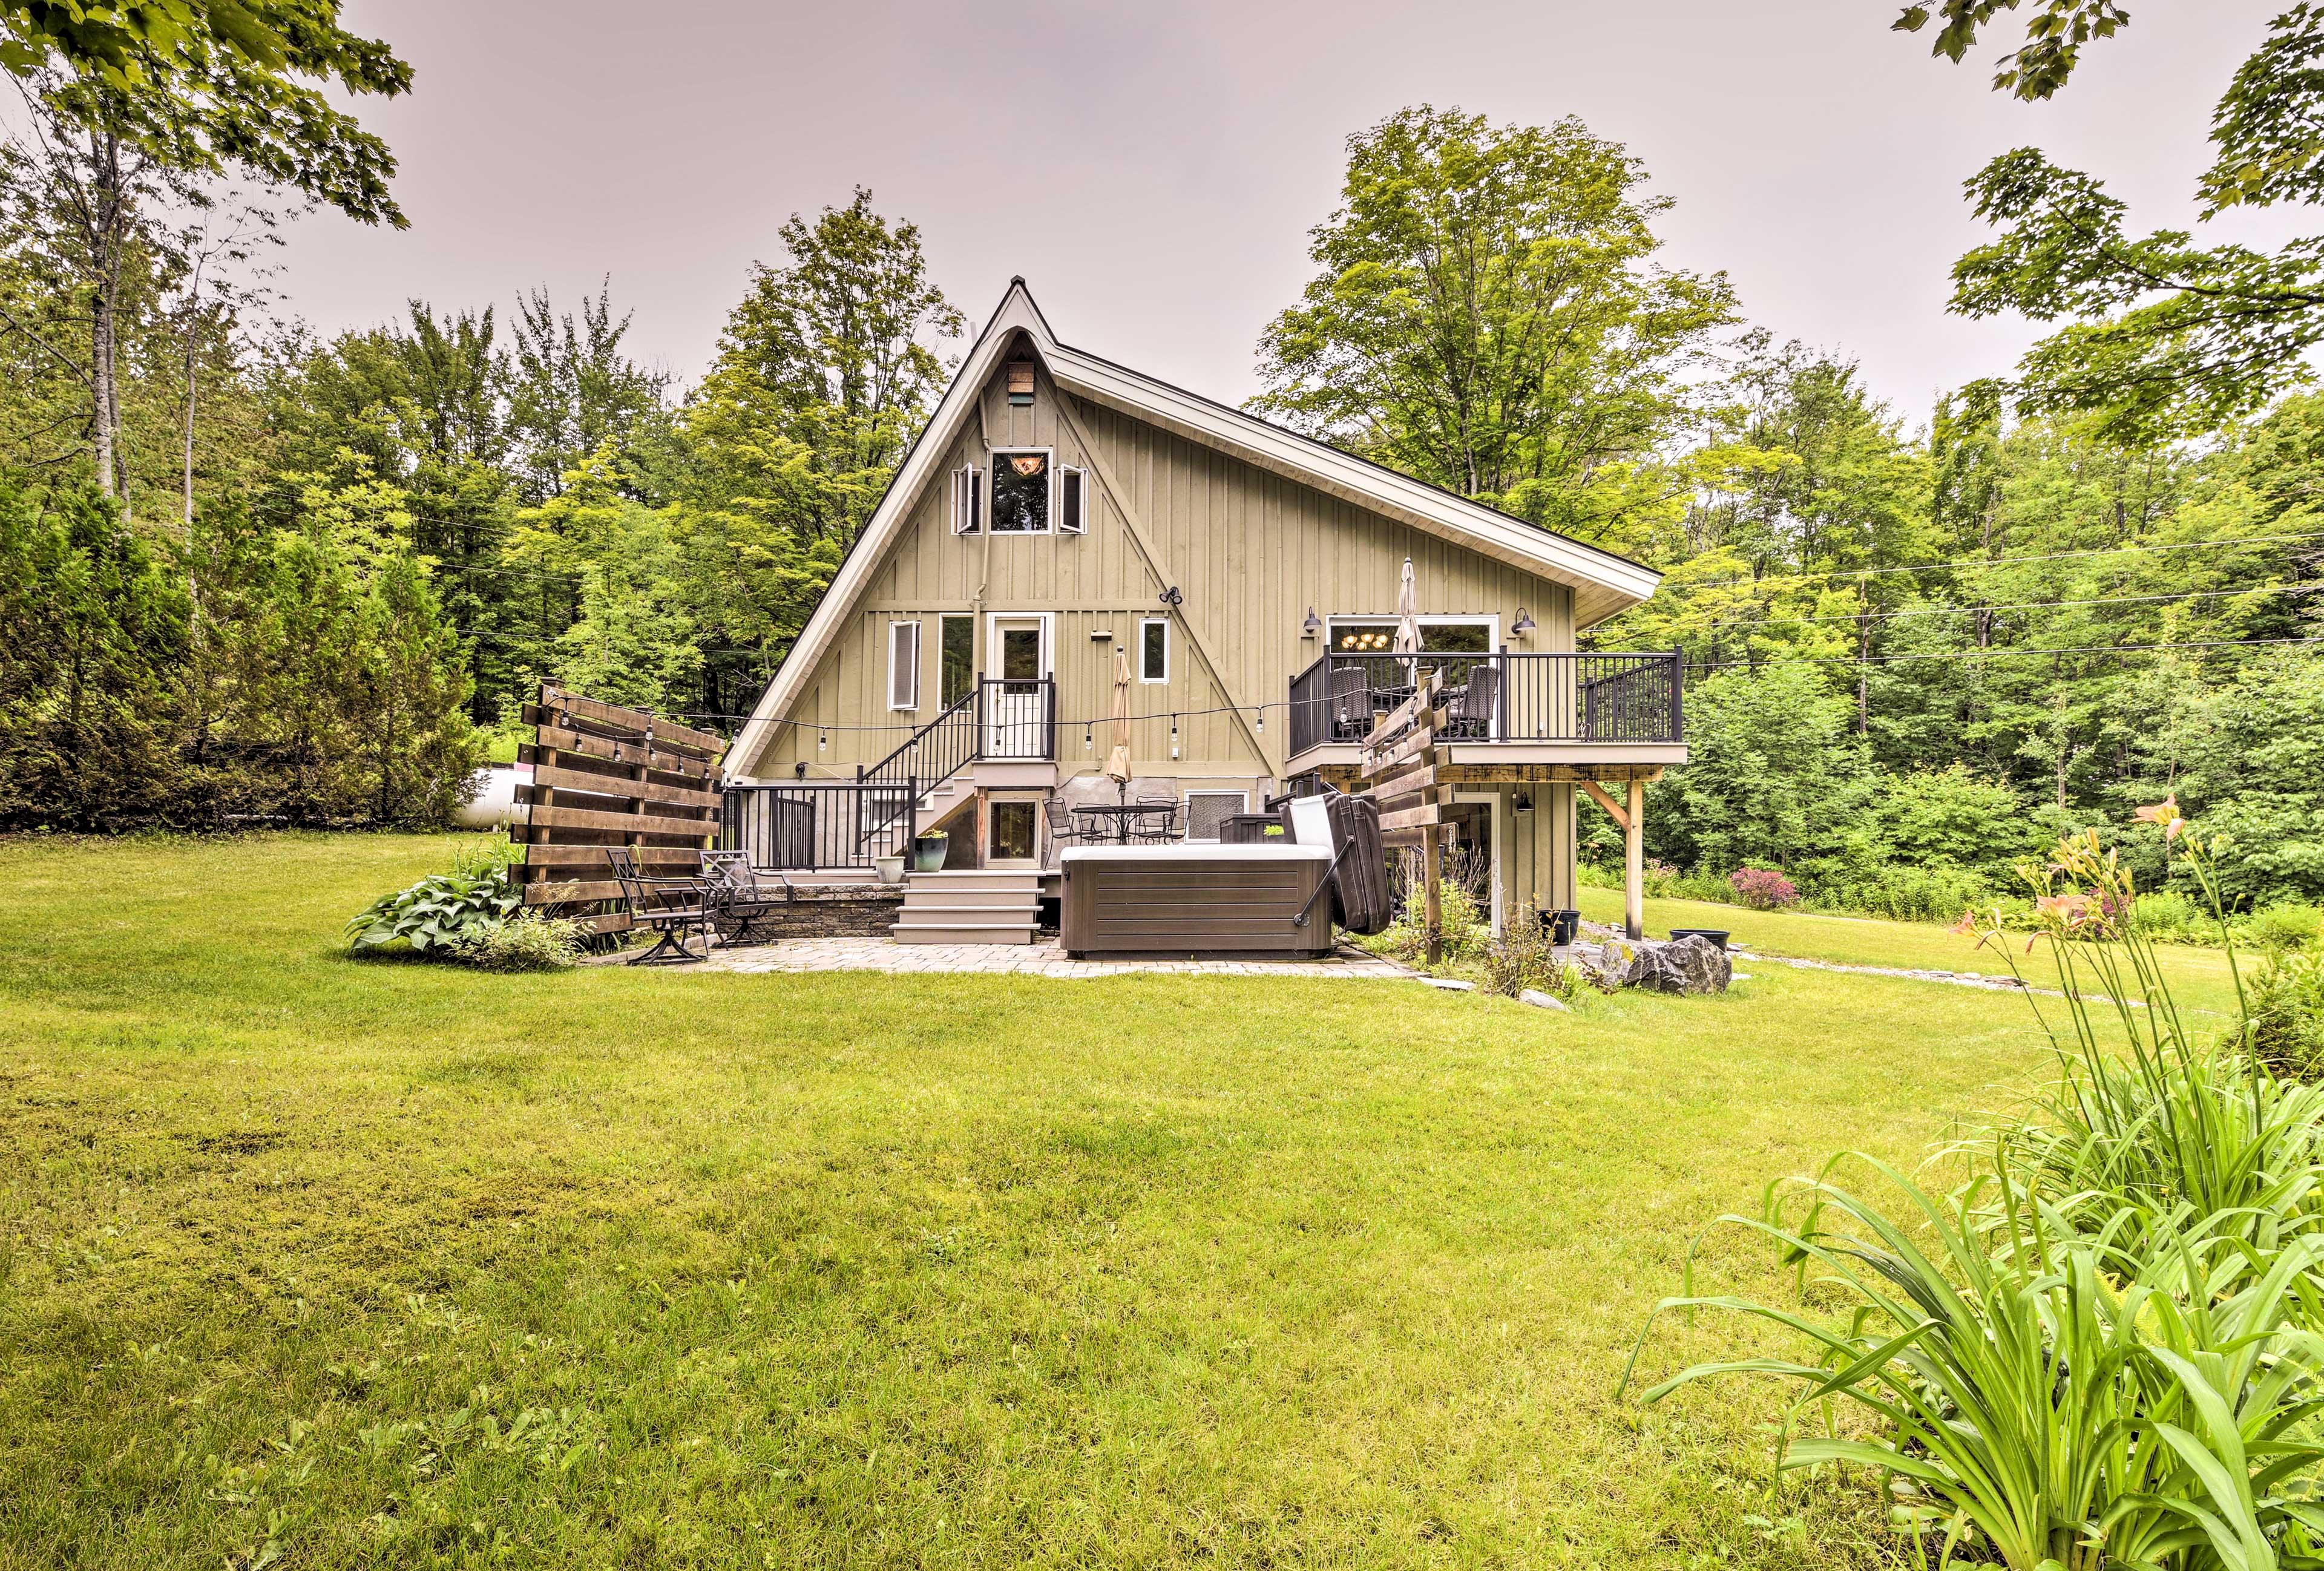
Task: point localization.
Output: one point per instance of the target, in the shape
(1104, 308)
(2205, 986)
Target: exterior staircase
(940, 801)
(969, 908)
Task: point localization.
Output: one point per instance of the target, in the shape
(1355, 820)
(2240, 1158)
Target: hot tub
(1196, 899)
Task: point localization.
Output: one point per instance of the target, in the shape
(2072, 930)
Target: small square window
(1154, 649)
(1014, 827)
(1020, 493)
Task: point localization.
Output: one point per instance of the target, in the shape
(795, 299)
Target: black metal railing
(1535, 697)
(1018, 718)
(808, 825)
(845, 824)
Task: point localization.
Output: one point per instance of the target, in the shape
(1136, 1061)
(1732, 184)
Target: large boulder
(1691, 964)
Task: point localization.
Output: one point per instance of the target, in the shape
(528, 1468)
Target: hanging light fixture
(822, 740)
(1174, 736)
(1088, 737)
(1262, 720)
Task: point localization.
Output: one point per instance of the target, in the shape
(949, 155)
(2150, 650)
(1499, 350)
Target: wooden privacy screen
(604, 775)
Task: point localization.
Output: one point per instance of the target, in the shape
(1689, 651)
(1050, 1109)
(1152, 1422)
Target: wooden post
(1634, 863)
(1432, 866)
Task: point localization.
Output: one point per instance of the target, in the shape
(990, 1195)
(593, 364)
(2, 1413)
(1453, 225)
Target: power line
(1882, 659)
(1968, 563)
(2019, 605)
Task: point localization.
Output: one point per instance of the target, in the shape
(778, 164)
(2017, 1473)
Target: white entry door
(1016, 692)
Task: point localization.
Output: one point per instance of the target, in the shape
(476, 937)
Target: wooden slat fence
(605, 775)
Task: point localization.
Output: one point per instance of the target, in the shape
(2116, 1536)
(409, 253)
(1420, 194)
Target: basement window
(1020, 492)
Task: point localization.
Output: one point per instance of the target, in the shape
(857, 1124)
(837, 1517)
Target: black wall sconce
(1523, 804)
(1522, 625)
(1311, 626)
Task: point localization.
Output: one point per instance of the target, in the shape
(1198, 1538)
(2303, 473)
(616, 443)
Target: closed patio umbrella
(1407, 613)
(1117, 763)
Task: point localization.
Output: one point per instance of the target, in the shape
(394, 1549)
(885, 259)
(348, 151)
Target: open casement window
(1072, 501)
(1020, 492)
(1207, 812)
(903, 665)
(967, 500)
(1154, 649)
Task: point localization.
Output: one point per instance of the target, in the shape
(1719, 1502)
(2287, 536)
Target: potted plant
(890, 869)
(929, 851)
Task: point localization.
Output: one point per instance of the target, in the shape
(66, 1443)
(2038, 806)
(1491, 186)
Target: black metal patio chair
(672, 906)
(737, 898)
(1158, 824)
(1473, 707)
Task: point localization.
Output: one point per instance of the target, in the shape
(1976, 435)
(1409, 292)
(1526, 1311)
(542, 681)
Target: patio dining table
(1123, 815)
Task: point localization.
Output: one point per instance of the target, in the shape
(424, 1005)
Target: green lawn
(386, 1264)
(2199, 979)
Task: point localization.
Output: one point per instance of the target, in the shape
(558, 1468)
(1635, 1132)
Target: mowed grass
(2198, 978)
(373, 1264)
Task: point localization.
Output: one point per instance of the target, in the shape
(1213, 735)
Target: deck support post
(1634, 863)
(1432, 868)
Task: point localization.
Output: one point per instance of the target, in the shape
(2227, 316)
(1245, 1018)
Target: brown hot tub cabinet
(1196, 899)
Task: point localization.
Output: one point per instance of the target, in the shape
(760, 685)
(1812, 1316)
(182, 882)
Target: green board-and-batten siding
(1249, 551)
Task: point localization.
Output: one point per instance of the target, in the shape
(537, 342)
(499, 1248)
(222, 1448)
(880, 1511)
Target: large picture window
(1020, 493)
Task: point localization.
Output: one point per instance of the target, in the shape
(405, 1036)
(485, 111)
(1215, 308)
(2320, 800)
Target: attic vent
(1020, 383)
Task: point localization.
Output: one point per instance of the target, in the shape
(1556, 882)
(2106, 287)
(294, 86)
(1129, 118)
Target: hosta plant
(439, 912)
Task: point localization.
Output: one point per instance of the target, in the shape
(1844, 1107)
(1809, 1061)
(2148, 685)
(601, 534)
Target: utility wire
(1960, 654)
(2019, 605)
(1969, 563)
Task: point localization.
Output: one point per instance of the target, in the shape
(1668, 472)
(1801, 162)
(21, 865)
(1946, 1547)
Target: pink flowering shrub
(1762, 889)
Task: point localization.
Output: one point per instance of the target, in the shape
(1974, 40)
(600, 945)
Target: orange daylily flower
(2165, 813)
(2070, 909)
(1965, 927)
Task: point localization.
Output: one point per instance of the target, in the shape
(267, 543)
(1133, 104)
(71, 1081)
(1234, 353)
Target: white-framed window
(1072, 501)
(903, 665)
(1020, 490)
(1154, 649)
(967, 500)
(1207, 812)
(1438, 634)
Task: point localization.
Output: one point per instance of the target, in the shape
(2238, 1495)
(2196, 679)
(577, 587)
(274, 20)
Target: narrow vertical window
(958, 637)
(1154, 649)
(967, 500)
(903, 665)
(1073, 488)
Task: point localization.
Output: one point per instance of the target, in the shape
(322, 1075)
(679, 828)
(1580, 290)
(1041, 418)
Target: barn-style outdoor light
(1523, 804)
(1522, 625)
(1311, 626)
(1020, 383)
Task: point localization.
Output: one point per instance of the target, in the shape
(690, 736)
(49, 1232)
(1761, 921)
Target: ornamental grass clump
(2102, 1348)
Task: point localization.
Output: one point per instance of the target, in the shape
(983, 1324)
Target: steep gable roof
(1603, 582)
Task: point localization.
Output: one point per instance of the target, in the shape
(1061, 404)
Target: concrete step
(959, 934)
(968, 912)
(929, 883)
(1012, 900)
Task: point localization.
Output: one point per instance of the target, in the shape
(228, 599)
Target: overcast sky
(1153, 170)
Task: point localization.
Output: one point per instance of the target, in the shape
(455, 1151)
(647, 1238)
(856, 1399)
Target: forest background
(250, 574)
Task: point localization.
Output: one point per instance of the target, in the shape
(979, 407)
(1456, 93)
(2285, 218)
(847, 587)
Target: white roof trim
(1602, 583)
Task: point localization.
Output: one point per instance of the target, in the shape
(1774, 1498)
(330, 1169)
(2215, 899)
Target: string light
(1174, 736)
(1088, 738)
(822, 740)
(1262, 722)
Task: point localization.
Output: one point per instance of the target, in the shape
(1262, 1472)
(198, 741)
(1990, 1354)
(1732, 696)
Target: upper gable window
(1021, 491)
